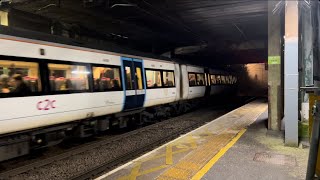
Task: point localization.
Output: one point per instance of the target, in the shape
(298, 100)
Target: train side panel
(158, 96)
(32, 112)
(195, 91)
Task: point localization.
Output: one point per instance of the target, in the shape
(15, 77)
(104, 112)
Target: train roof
(103, 46)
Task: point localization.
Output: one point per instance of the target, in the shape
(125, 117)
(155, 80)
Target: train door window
(153, 78)
(128, 78)
(65, 77)
(19, 77)
(139, 78)
(106, 78)
(213, 79)
(192, 79)
(218, 78)
(168, 78)
(200, 79)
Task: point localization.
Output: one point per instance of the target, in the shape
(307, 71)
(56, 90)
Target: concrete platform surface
(243, 161)
(192, 155)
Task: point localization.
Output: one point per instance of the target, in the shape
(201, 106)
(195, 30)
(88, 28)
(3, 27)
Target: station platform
(214, 152)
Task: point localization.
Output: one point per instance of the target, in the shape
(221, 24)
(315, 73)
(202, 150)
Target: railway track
(113, 162)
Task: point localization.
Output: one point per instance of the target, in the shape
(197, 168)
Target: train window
(235, 80)
(65, 77)
(227, 80)
(129, 79)
(168, 79)
(218, 78)
(208, 79)
(106, 78)
(19, 77)
(192, 79)
(230, 79)
(223, 79)
(153, 78)
(213, 79)
(139, 78)
(200, 80)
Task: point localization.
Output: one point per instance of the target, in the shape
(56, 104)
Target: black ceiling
(210, 31)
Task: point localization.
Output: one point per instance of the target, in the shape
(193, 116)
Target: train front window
(200, 79)
(106, 78)
(153, 78)
(19, 77)
(168, 79)
(68, 77)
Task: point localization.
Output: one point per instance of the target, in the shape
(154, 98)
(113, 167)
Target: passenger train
(79, 92)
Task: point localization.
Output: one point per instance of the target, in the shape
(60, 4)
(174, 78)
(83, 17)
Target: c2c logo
(46, 105)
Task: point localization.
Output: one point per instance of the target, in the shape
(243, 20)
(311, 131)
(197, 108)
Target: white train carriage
(193, 82)
(78, 91)
(59, 104)
(163, 82)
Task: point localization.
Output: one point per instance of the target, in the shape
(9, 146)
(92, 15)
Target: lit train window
(227, 80)
(168, 79)
(192, 79)
(218, 78)
(230, 79)
(19, 77)
(235, 80)
(65, 77)
(200, 79)
(128, 77)
(106, 78)
(223, 79)
(213, 79)
(153, 78)
(139, 78)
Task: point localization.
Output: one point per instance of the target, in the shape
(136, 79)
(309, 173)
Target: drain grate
(278, 159)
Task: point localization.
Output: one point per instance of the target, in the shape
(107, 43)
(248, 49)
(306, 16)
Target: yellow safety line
(207, 167)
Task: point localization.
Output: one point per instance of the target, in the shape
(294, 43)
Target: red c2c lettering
(46, 105)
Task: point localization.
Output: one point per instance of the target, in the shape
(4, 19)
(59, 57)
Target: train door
(208, 83)
(134, 83)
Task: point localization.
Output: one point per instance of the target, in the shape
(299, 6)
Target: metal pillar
(291, 76)
(274, 64)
